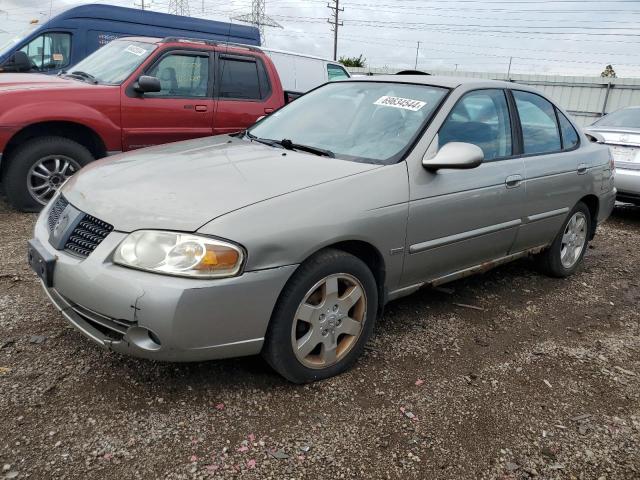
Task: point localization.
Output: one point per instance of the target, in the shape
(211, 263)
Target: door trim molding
(458, 237)
(549, 214)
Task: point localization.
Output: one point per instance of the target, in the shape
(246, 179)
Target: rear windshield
(625, 118)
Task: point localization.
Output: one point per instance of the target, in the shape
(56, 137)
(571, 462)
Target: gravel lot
(541, 379)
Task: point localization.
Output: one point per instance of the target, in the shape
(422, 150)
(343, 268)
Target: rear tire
(564, 256)
(337, 294)
(27, 185)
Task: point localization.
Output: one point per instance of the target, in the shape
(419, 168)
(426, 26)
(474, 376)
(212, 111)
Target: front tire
(564, 256)
(323, 318)
(37, 168)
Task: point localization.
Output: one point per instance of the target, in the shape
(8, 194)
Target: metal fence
(586, 98)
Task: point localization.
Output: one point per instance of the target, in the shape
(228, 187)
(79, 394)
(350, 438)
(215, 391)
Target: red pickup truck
(132, 93)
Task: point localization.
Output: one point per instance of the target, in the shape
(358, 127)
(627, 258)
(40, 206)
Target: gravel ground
(541, 379)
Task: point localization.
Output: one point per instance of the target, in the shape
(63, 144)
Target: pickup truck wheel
(37, 169)
(323, 318)
(565, 254)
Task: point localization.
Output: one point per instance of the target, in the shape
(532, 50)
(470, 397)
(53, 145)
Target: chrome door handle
(513, 181)
(201, 108)
(582, 168)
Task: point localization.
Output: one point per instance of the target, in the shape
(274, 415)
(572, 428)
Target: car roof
(438, 81)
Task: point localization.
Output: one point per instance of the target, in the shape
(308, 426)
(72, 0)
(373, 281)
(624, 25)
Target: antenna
(258, 18)
(179, 7)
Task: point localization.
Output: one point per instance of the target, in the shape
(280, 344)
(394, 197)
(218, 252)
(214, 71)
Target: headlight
(180, 254)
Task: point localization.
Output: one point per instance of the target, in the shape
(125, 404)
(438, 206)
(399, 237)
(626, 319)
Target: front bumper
(160, 317)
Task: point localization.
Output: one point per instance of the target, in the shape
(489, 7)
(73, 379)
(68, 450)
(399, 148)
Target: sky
(563, 37)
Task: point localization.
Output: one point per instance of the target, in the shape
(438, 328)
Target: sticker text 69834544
(398, 102)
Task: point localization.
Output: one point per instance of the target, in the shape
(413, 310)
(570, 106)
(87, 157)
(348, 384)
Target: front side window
(49, 51)
(113, 63)
(181, 75)
(481, 118)
(569, 134)
(239, 78)
(540, 131)
(336, 72)
(375, 122)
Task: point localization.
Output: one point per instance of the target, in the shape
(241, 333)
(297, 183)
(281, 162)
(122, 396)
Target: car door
(182, 110)
(553, 170)
(462, 218)
(243, 92)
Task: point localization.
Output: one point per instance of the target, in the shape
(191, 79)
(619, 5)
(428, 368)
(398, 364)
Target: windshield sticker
(135, 50)
(58, 57)
(398, 102)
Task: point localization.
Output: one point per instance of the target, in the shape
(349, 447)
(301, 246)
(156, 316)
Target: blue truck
(69, 37)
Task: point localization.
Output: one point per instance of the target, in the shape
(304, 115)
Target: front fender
(370, 207)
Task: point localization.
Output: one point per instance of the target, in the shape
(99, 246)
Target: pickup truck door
(182, 110)
(243, 92)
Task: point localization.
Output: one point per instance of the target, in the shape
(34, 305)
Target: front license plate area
(41, 261)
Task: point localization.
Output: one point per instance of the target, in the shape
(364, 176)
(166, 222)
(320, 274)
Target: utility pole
(335, 6)
(509, 71)
(179, 7)
(456, 67)
(144, 4)
(417, 51)
(258, 18)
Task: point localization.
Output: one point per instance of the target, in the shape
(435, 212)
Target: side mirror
(19, 62)
(455, 155)
(147, 84)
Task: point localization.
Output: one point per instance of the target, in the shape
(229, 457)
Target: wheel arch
(77, 132)
(593, 204)
(372, 258)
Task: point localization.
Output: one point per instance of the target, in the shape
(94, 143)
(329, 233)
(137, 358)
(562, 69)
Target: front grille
(87, 233)
(86, 237)
(54, 214)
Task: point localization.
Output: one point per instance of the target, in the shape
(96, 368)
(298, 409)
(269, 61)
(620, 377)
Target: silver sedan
(621, 131)
(289, 238)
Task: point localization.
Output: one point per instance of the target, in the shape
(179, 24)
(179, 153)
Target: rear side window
(241, 78)
(540, 131)
(336, 72)
(481, 118)
(569, 134)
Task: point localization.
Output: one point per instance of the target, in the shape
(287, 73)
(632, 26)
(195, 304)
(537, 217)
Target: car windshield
(625, 118)
(114, 62)
(370, 121)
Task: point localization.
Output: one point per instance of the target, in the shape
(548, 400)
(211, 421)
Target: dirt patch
(542, 379)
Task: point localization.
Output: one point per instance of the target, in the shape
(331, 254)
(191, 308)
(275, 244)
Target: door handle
(201, 108)
(582, 168)
(268, 110)
(513, 181)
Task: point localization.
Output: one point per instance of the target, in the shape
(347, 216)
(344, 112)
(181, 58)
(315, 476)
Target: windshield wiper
(265, 141)
(84, 76)
(289, 145)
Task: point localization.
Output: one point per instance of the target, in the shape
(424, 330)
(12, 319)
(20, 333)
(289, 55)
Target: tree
(353, 61)
(608, 72)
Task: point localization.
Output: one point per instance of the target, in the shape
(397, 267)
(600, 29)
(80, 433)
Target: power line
(258, 18)
(335, 24)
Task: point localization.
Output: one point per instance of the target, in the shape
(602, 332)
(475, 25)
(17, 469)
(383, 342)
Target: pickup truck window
(113, 63)
(49, 51)
(239, 78)
(182, 75)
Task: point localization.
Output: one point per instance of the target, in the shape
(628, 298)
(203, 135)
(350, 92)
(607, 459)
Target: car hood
(36, 81)
(182, 186)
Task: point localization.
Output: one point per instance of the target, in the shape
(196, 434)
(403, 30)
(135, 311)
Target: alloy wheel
(329, 321)
(47, 175)
(573, 240)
